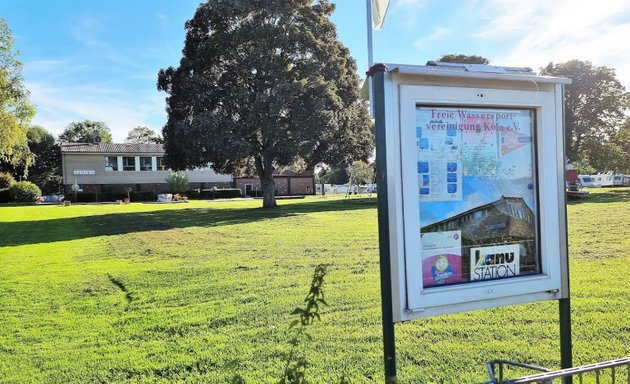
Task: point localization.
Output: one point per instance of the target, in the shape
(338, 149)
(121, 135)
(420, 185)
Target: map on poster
(457, 142)
(441, 258)
(476, 182)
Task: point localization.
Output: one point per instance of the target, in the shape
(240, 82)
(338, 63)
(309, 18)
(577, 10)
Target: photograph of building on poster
(476, 183)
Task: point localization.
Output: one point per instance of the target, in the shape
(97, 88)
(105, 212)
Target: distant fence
(344, 188)
(613, 372)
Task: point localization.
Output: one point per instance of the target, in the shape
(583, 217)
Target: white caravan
(586, 181)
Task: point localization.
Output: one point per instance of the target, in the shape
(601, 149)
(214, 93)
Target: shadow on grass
(610, 196)
(47, 231)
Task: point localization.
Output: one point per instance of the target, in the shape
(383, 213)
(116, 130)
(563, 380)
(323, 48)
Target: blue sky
(99, 59)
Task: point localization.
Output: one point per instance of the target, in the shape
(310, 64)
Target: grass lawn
(203, 293)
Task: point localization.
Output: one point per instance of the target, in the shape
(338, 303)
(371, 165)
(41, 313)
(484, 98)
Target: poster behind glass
(476, 178)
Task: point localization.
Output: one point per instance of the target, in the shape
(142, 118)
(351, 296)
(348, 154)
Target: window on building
(111, 163)
(129, 163)
(145, 164)
(160, 164)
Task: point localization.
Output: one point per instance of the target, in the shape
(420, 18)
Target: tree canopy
(15, 110)
(611, 155)
(595, 104)
(142, 135)
(266, 82)
(86, 131)
(465, 59)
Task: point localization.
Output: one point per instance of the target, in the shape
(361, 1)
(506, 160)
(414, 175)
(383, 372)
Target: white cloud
(86, 30)
(162, 17)
(410, 3)
(539, 32)
(59, 105)
(407, 13)
(437, 34)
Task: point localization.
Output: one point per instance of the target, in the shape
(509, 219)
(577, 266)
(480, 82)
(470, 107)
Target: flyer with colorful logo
(441, 258)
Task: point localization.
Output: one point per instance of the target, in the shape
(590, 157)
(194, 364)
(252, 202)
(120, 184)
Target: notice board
(475, 191)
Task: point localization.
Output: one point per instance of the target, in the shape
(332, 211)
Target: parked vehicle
(604, 180)
(574, 191)
(586, 181)
(618, 180)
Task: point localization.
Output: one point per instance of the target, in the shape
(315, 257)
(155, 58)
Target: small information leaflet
(476, 194)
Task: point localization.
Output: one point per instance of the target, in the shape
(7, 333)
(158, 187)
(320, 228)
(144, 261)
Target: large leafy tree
(86, 131)
(15, 109)
(617, 150)
(142, 135)
(264, 82)
(594, 103)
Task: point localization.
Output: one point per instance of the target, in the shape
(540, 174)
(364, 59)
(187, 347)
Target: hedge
(226, 193)
(5, 197)
(91, 197)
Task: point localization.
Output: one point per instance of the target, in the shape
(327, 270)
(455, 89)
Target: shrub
(6, 180)
(177, 182)
(24, 191)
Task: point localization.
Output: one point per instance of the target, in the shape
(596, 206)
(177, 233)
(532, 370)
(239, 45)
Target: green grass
(203, 293)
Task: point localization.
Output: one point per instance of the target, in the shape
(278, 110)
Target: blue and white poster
(475, 169)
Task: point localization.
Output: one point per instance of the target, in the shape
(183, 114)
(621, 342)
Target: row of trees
(89, 131)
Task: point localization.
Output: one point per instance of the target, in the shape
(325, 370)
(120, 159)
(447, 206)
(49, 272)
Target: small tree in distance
(263, 82)
(142, 135)
(360, 173)
(464, 59)
(86, 131)
(177, 182)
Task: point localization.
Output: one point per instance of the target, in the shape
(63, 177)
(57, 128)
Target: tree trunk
(268, 187)
(265, 173)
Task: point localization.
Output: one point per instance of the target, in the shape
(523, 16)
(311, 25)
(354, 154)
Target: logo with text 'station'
(495, 262)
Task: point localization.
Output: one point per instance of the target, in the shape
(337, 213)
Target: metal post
(368, 13)
(564, 304)
(377, 72)
(566, 355)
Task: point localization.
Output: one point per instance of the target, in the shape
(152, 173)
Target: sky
(99, 59)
